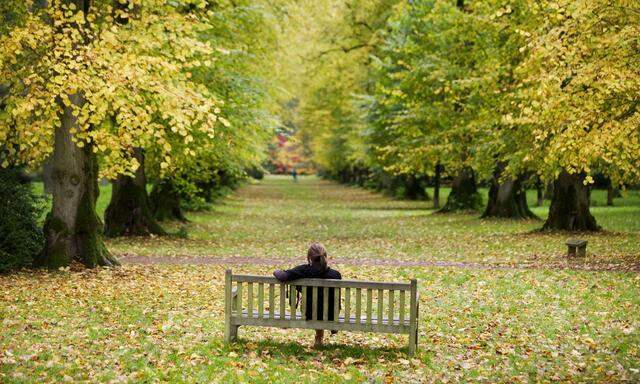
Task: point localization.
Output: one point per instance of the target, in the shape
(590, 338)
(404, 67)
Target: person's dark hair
(317, 257)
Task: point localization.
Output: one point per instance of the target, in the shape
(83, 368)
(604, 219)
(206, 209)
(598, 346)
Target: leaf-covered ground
(163, 322)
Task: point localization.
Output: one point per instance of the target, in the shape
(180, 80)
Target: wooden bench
(576, 248)
(365, 306)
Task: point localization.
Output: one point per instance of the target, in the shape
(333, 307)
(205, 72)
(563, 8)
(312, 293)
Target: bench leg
(413, 342)
(231, 333)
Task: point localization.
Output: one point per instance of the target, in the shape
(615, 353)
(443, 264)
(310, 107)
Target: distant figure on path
(316, 268)
(294, 174)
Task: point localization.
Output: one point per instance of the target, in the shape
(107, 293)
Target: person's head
(317, 256)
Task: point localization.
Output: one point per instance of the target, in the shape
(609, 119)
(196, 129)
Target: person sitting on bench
(316, 268)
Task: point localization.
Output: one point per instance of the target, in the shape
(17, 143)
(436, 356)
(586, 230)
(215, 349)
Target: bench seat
(340, 325)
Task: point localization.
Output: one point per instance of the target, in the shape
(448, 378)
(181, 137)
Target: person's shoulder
(333, 274)
(302, 267)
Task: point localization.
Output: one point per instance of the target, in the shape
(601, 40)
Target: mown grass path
(272, 222)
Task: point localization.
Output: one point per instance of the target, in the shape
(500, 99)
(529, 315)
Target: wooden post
(413, 318)
(576, 248)
(228, 334)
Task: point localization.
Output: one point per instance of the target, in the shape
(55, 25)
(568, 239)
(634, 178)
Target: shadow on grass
(279, 349)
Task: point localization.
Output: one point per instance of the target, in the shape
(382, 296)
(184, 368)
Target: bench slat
(390, 314)
(358, 305)
(350, 324)
(272, 306)
(325, 304)
(336, 304)
(260, 298)
(327, 282)
(347, 303)
(341, 318)
(250, 297)
(314, 304)
(239, 298)
(380, 303)
(292, 300)
(369, 304)
(303, 304)
(401, 315)
(283, 297)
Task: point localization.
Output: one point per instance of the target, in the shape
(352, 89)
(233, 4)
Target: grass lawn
(163, 322)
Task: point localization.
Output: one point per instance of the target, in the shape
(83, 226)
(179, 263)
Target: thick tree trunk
(128, 213)
(165, 201)
(539, 193)
(414, 188)
(507, 199)
(569, 210)
(464, 194)
(436, 186)
(72, 229)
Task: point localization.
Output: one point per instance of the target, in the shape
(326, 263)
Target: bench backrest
(358, 302)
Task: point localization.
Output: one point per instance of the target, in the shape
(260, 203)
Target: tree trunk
(414, 188)
(569, 210)
(128, 213)
(436, 186)
(165, 201)
(507, 199)
(72, 229)
(539, 193)
(610, 194)
(464, 194)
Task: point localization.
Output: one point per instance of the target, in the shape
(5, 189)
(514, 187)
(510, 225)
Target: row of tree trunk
(569, 209)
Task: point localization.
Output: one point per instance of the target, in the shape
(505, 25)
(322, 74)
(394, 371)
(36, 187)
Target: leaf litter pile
(164, 322)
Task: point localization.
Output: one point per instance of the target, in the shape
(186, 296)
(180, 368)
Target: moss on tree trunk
(165, 201)
(128, 213)
(569, 210)
(507, 198)
(73, 230)
(464, 196)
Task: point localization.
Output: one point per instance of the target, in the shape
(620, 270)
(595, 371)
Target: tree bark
(128, 213)
(414, 188)
(464, 194)
(436, 186)
(539, 193)
(165, 201)
(569, 210)
(507, 199)
(73, 231)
